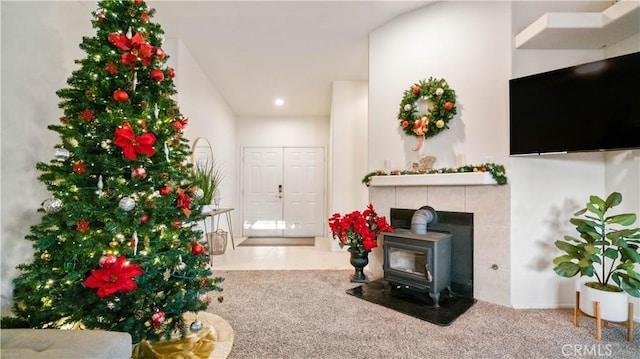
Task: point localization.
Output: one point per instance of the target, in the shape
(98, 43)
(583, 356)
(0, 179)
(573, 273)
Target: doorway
(283, 191)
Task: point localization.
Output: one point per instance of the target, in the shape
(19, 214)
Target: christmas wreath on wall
(440, 101)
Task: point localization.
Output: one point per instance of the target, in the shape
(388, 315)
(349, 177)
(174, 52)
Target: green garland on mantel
(497, 172)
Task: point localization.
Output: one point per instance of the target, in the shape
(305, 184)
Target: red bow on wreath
(132, 144)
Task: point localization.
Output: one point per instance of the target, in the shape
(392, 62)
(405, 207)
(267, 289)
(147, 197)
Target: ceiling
(256, 51)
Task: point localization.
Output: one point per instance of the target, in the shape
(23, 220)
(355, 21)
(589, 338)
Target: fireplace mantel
(437, 179)
(469, 192)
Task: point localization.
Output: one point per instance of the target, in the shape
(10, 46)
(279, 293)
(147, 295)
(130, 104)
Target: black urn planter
(359, 260)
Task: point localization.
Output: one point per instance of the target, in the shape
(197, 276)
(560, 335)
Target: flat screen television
(589, 107)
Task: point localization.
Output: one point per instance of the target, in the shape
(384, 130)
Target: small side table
(215, 214)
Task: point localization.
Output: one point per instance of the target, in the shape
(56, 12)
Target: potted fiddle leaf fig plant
(607, 248)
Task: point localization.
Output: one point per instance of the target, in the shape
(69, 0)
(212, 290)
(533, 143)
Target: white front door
(283, 192)
(303, 191)
(262, 202)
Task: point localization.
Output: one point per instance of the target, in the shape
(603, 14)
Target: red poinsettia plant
(359, 230)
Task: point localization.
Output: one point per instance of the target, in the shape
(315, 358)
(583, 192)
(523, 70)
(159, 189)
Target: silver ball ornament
(107, 259)
(196, 326)
(52, 205)
(198, 193)
(61, 154)
(127, 203)
(180, 266)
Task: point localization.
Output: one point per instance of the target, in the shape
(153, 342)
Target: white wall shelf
(438, 179)
(587, 30)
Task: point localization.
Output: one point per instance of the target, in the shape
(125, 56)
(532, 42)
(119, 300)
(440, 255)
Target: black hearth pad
(379, 292)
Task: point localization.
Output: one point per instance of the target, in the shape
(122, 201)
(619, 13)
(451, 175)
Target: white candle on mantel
(461, 159)
(386, 167)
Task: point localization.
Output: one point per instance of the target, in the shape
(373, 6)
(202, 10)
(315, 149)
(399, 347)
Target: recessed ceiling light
(279, 102)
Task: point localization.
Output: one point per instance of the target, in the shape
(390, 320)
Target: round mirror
(201, 153)
(207, 175)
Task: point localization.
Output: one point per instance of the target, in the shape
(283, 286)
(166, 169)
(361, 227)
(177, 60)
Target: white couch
(67, 344)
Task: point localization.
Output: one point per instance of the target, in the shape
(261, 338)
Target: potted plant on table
(607, 249)
(207, 177)
(359, 231)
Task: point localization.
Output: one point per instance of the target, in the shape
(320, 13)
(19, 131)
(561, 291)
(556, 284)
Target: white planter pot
(613, 305)
(208, 208)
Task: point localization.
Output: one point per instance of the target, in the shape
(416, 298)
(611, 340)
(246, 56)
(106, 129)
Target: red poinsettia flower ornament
(136, 48)
(133, 145)
(114, 277)
(83, 225)
(79, 167)
(87, 115)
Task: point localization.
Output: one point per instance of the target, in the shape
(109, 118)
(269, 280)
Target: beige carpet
(278, 241)
(308, 314)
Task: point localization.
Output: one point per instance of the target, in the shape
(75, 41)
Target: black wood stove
(425, 263)
(418, 262)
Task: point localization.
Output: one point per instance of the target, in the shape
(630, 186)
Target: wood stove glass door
(410, 261)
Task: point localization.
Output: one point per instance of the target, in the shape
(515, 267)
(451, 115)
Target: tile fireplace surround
(490, 205)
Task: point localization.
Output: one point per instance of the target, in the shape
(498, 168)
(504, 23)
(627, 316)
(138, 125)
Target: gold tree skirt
(213, 341)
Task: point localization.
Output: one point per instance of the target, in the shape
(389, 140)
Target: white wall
(39, 46)
(546, 190)
(467, 44)
(347, 160)
(470, 44)
(209, 117)
(622, 174)
(349, 129)
(283, 131)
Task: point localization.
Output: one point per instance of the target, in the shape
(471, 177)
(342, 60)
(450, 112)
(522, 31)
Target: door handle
(427, 273)
(279, 191)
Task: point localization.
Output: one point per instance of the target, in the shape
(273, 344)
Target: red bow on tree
(184, 202)
(114, 278)
(136, 47)
(132, 144)
(180, 124)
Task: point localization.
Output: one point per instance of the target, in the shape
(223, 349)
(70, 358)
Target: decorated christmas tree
(118, 246)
